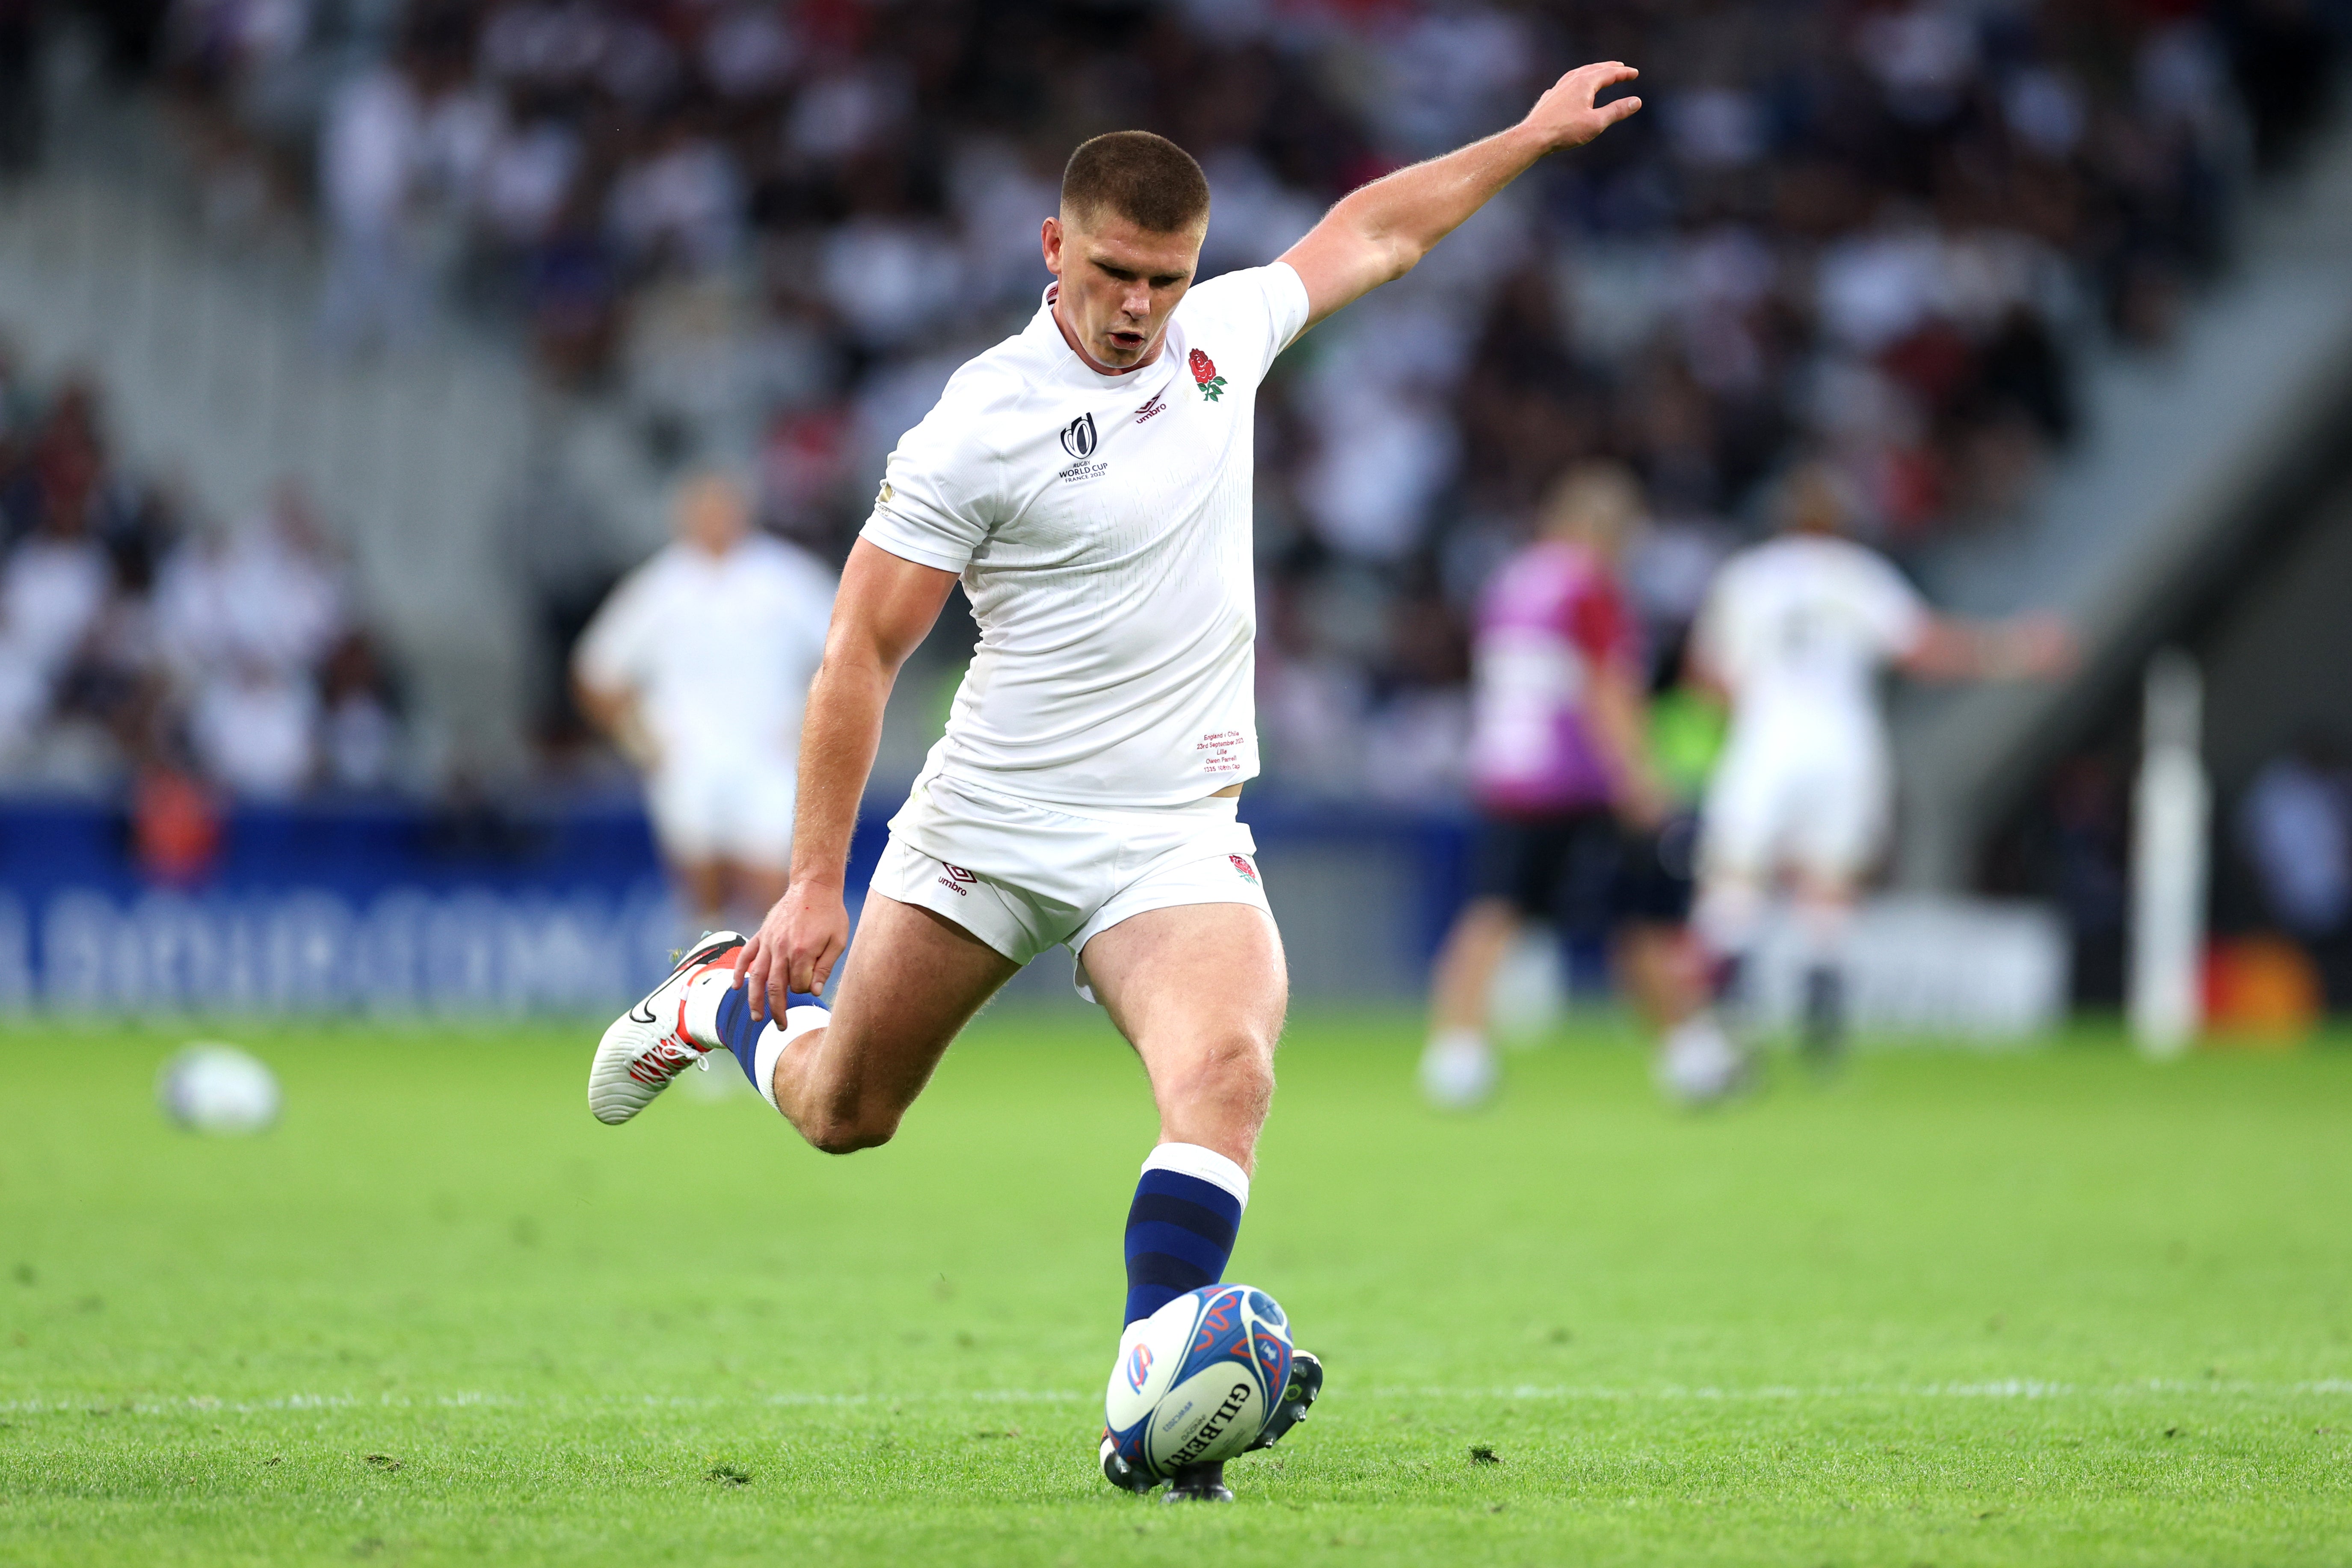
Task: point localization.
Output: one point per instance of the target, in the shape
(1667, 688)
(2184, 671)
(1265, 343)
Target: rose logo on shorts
(1242, 864)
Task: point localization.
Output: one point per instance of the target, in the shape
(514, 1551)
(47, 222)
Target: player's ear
(1050, 239)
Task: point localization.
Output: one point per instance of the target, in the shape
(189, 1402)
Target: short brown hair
(1595, 503)
(1148, 180)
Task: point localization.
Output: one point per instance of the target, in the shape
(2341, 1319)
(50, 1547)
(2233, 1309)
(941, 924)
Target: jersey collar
(1071, 366)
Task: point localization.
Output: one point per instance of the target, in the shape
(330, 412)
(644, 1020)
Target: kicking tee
(1101, 527)
(1799, 629)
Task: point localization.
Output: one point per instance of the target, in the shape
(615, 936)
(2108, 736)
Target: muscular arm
(2026, 648)
(884, 609)
(1378, 233)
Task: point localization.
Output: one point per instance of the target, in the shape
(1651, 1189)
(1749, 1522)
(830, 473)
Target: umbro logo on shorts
(957, 880)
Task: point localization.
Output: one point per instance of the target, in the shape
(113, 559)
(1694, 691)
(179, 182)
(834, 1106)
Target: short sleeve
(1252, 316)
(937, 499)
(1897, 616)
(1599, 627)
(617, 649)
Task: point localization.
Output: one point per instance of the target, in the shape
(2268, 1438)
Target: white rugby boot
(647, 1047)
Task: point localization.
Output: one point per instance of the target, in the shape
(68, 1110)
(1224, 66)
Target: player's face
(1119, 283)
(712, 515)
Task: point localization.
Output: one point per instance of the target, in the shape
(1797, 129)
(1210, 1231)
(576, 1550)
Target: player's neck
(1079, 348)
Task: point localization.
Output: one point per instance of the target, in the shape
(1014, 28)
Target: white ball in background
(209, 1087)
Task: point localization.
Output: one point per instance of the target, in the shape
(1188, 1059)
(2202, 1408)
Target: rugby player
(1571, 817)
(1794, 634)
(717, 755)
(1090, 482)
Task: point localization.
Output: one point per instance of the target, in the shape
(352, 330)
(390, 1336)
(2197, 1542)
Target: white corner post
(2172, 808)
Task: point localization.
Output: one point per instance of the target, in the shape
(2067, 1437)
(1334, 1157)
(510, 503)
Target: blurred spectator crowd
(1878, 234)
(140, 645)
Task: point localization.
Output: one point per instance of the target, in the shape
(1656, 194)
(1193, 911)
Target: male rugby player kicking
(1089, 481)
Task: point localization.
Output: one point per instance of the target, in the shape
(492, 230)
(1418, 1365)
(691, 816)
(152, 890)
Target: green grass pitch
(2056, 1307)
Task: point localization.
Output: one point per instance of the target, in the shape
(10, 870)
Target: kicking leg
(844, 1078)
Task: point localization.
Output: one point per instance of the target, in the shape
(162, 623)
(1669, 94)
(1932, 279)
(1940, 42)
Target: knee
(847, 1132)
(1237, 1069)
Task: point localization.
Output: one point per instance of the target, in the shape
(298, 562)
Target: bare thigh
(912, 980)
(1200, 990)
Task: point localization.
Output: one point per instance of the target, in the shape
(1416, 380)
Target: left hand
(1566, 117)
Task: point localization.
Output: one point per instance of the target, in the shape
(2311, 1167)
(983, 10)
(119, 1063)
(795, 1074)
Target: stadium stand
(1890, 233)
(137, 643)
(485, 277)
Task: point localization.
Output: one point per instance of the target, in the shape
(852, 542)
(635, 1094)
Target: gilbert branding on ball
(1197, 1380)
(209, 1087)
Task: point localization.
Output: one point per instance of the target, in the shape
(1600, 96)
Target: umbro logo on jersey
(1155, 407)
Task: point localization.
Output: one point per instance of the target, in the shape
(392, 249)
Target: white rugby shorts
(1803, 804)
(736, 809)
(1023, 877)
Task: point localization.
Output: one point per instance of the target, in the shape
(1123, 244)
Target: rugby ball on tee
(1197, 1380)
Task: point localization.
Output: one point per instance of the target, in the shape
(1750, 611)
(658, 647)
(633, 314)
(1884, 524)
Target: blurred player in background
(698, 667)
(1572, 816)
(1794, 634)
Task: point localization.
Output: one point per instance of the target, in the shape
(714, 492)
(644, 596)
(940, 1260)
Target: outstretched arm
(884, 609)
(2030, 647)
(1378, 233)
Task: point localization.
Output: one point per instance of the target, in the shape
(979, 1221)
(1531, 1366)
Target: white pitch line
(2022, 1388)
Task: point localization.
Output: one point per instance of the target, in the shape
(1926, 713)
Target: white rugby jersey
(1101, 525)
(720, 649)
(1799, 628)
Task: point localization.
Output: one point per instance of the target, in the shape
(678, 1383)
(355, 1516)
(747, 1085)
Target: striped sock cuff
(1181, 1227)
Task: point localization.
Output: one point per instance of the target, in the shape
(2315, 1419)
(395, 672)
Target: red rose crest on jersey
(1204, 375)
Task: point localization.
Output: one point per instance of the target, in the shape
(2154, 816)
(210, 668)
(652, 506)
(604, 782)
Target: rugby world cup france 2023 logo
(1078, 437)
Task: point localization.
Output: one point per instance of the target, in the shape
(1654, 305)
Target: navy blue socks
(718, 1013)
(739, 1032)
(1180, 1230)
